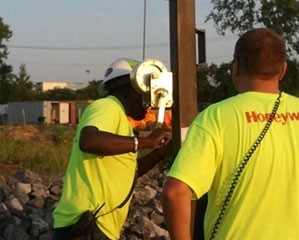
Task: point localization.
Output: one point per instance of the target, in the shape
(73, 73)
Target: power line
(214, 39)
(163, 44)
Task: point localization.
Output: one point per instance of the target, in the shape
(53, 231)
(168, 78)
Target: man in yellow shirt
(103, 163)
(251, 172)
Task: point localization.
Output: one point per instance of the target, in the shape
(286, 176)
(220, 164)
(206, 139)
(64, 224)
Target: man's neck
(259, 85)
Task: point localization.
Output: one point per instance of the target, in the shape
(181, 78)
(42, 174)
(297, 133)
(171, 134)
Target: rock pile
(27, 201)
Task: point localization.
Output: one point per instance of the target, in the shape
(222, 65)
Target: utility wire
(87, 48)
(150, 45)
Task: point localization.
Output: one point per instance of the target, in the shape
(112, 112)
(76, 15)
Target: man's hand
(158, 138)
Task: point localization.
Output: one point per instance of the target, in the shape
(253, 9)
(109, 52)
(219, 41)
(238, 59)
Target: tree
(65, 94)
(5, 34)
(239, 16)
(59, 94)
(205, 90)
(223, 78)
(90, 92)
(214, 83)
(290, 82)
(5, 70)
(6, 78)
(23, 88)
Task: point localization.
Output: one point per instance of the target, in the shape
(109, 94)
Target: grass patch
(42, 149)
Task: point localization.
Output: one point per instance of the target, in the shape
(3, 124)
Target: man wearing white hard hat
(100, 176)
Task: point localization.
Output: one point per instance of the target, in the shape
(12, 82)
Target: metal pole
(144, 30)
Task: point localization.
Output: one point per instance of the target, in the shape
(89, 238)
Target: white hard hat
(118, 68)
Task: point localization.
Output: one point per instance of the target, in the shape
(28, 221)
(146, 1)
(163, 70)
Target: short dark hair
(260, 52)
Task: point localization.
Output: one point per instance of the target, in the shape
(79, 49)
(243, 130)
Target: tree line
(213, 81)
(238, 17)
(18, 87)
(222, 87)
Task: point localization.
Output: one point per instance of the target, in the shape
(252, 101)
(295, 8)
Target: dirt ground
(25, 132)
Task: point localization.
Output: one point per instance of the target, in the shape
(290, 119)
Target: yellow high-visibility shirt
(265, 203)
(92, 180)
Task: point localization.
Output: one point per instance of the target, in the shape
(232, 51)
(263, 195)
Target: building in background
(49, 112)
(45, 86)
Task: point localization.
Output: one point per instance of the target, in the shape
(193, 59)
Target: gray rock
(27, 176)
(2, 194)
(56, 190)
(38, 226)
(27, 202)
(23, 187)
(4, 209)
(15, 232)
(3, 182)
(15, 204)
(22, 190)
(39, 190)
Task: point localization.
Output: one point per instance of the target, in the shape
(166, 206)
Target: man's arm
(97, 142)
(150, 160)
(176, 202)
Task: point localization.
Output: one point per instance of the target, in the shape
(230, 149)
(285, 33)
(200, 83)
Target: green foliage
(15, 87)
(5, 70)
(290, 82)
(61, 134)
(59, 94)
(5, 35)
(223, 79)
(90, 92)
(6, 79)
(12, 87)
(22, 87)
(205, 90)
(92, 89)
(46, 153)
(283, 17)
(240, 16)
(214, 83)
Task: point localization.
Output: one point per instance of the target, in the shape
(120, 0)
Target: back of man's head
(260, 53)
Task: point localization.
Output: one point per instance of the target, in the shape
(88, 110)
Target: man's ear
(283, 71)
(236, 67)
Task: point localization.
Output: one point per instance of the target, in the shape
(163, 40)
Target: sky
(75, 40)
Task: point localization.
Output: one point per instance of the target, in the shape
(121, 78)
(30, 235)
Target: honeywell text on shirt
(283, 118)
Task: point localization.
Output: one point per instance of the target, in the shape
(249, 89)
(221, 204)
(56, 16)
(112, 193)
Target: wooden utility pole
(183, 67)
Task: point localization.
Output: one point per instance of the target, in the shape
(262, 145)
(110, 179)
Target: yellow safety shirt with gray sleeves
(92, 180)
(265, 203)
